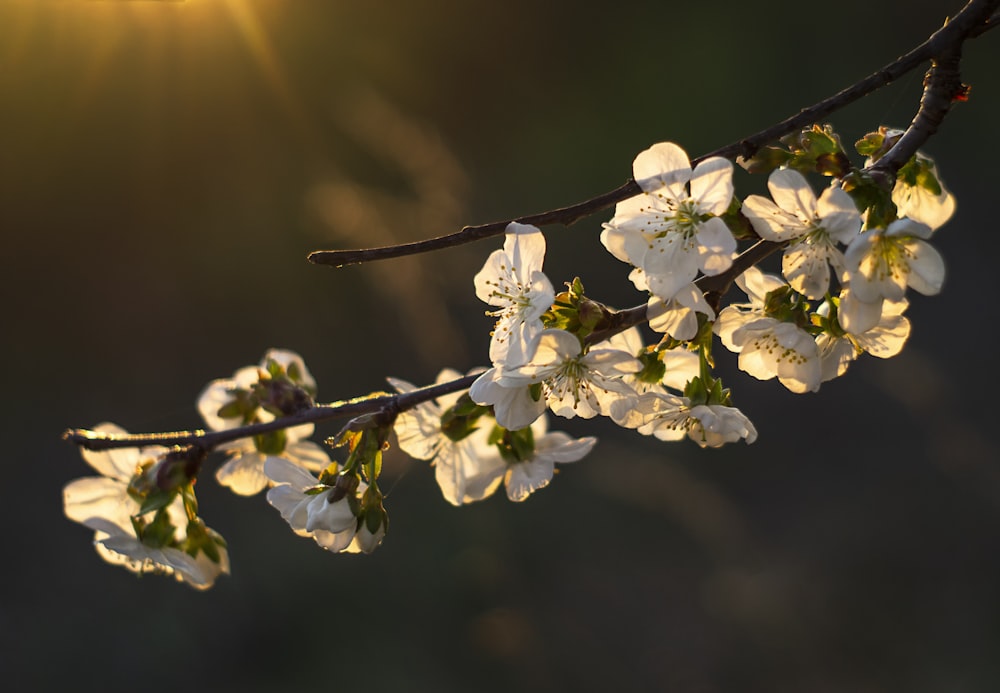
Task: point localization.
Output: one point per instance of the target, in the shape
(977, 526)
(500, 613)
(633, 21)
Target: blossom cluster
(848, 257)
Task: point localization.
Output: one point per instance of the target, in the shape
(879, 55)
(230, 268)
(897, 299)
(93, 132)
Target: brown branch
(942, 88)
(390, 405)
(972, 20)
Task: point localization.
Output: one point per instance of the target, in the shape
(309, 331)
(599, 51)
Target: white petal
(99, 503)
(793, 194)
(857, 317)
(771, 222)
(663, 165)
(243, 473)
(309, 455)
(282, 471)
(561, 448)
(926, 268)
(329, 517)
(117, 463)
(716, 246)
(524, 478)
(712, 185)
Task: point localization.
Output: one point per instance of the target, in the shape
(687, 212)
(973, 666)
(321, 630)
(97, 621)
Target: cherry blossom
(466, 469)
(575, 382)
(106, 505)
(669, 232)
(881, 263)
(815, 226)
(512, 280)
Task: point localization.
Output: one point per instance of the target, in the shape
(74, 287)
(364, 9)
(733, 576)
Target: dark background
(164, 170)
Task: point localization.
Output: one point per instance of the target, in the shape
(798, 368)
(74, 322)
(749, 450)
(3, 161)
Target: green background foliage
(166, 167)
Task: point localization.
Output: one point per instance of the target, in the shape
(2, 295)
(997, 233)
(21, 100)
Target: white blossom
(881, 263)
(815, 226)
(920, 204)
(523, 478)
(221, 392)
(574, 382)
(513, 281)
(678, 317)
(669, 232)
(668, 417)
(243, 471)
(770, 348)
(308, 507)
(884, 340)
(466, 470)
(104, 504)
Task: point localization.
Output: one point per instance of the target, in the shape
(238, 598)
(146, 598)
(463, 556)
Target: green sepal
(696, 391)
(243, 406)
(155, 534)
(373, 466)
(653, 368)
(919, 172)
(272, 443)
(274, 369)
(157, 500)
(458, 422)
(738, 225)
(514, 446)
(869, 195)
(204, 540)
(465, 406)
(376, 518)
(231, 410)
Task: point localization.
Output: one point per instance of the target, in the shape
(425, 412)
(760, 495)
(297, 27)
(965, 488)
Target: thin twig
(965, 24)
(208, 440)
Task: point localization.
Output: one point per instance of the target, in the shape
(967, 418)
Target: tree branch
(391, 405)
(972, 20)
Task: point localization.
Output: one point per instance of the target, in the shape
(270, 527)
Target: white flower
(465, 469)
(224, 391)
(756, 285)
(881, 263)
(243, 472)
(678, 316)
(306, 505)
(680, 366)
(668, 417)
(512, 280)
(667, 232)
(884, 340)
(514, 407)
(770, 348)
(523, 478)
(920, 204)
(574, 383)
(103, 504)
(814, 224)
(714, 425)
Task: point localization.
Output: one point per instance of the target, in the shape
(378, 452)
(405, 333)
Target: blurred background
(165, 167)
